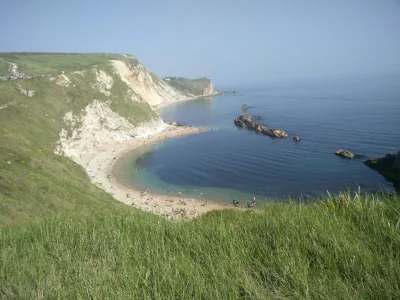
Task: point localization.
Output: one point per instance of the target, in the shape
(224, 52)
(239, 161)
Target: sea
(227, 163)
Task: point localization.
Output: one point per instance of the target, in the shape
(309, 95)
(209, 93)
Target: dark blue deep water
(231, 163)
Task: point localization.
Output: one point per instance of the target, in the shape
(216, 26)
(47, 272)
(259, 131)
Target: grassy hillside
(52, 63)
(34, 181)
(188, 86)
(344, 248)
(4, 68)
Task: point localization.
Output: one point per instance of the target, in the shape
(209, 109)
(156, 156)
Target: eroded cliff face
(209, 90)
(120, 83)
(97, 127)
(146, 84)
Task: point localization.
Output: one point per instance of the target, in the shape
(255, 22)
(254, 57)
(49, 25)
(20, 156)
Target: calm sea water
(231, 163)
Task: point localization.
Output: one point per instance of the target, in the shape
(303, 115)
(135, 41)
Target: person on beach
(253, 203)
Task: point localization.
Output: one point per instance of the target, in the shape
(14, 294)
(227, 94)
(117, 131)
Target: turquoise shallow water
(231, 163)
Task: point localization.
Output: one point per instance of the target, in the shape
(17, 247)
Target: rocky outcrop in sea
(245, 121)
(344, 153)
(388, 166)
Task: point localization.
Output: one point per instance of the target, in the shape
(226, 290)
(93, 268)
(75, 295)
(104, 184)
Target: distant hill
(200, 86)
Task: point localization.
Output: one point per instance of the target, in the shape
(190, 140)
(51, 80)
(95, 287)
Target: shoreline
(101, 165)
(160, 107)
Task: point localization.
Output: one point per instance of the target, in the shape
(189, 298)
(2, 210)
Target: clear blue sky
(228, 41)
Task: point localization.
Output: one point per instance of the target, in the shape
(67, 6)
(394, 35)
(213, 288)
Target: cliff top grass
(52, 63)
(188, 86)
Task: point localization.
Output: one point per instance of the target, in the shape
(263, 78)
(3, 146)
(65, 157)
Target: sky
(231, 41)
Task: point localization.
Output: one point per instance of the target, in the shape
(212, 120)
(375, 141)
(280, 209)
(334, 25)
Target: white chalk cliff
(98, 124)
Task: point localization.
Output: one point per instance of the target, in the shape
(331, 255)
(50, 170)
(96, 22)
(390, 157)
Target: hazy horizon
(244, 42)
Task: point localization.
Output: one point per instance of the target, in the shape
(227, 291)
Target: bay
(225, 162)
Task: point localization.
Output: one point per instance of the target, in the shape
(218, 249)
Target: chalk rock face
(344, 153)
(146, 84)
(209, 90)
(99, 126)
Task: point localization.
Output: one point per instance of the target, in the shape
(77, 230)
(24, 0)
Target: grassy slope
(97, 248)
(188, 86)
(3, 68)
(37, 182)
(52, 63)
(329, 250)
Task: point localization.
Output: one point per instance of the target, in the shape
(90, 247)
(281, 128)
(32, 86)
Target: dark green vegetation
(188, 86)
(62, 237)
(344, 248)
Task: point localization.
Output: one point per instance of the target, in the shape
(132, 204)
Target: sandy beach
(100, 169)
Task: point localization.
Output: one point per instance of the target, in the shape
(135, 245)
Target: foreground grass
(344, 248)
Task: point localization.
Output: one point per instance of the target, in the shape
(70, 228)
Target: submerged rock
(257, 118)
(244, 107)
(296, 138)
(345, 153)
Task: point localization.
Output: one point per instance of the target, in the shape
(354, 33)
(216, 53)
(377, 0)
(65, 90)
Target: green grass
(4, 68)
(53, 63)
(343, 248)
(188, 86)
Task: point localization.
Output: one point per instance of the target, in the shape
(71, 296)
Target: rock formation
(246, 121)
(344, 153)
(388, 166)
(296, 138)
(244, 107)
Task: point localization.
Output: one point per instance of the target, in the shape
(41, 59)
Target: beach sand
(100, 168)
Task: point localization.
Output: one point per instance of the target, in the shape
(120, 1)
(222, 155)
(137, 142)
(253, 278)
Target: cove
(226, 163)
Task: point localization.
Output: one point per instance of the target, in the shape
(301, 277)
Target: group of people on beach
(252, 204)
